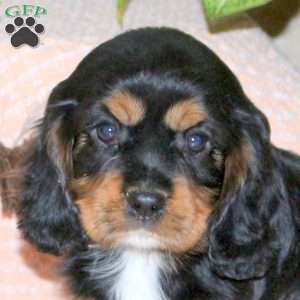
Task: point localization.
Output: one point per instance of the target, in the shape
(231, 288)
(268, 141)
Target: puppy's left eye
(107, 132)
(195, 142)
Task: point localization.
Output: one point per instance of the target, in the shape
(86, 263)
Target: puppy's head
(145, 174)
(151, 144)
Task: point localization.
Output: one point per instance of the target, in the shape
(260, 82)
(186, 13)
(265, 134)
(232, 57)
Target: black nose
(145, 206)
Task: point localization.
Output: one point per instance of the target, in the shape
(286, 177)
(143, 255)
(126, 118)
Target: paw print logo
(24, 33)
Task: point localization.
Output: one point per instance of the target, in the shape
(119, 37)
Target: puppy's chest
(139, 277)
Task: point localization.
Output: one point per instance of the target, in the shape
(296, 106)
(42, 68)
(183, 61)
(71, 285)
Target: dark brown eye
(195, 142)
(107, 132)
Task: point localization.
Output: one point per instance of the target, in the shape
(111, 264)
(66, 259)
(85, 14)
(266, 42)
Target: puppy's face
(148, 167)
(152, 144)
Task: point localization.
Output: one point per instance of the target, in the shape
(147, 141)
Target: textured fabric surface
(73, 28)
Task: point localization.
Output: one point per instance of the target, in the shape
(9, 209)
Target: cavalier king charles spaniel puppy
(154, 177)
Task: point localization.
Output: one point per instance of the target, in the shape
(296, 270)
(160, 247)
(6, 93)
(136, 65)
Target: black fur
(253, 234)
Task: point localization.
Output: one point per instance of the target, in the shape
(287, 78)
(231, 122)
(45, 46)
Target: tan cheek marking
(218, 157)
(101, 208)
(59, 150)
(184, 115)
(81, 142)
(184, 225)
(126, 108)
(237, 167)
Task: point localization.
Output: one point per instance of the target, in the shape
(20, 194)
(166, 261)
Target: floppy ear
(245, 232)
(47, 215)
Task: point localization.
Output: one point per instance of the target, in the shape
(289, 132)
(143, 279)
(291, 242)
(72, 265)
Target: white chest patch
(139, 277)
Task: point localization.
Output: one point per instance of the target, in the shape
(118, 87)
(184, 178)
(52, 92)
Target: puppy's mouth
(144, 220)
(140, 239)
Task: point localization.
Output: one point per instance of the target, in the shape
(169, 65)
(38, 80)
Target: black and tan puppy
(154, 176)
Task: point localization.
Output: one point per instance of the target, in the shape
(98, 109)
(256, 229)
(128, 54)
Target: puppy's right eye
(107, 132)
(195, 142)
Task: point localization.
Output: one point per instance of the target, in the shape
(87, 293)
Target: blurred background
(280, 19)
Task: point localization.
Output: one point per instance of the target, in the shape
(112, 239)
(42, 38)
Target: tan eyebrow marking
(184, 115)
(125, 107)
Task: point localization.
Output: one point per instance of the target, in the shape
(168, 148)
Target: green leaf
(121, 9)
(221, 8)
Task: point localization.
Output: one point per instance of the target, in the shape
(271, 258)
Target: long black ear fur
(47, 215)
(252, 229)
